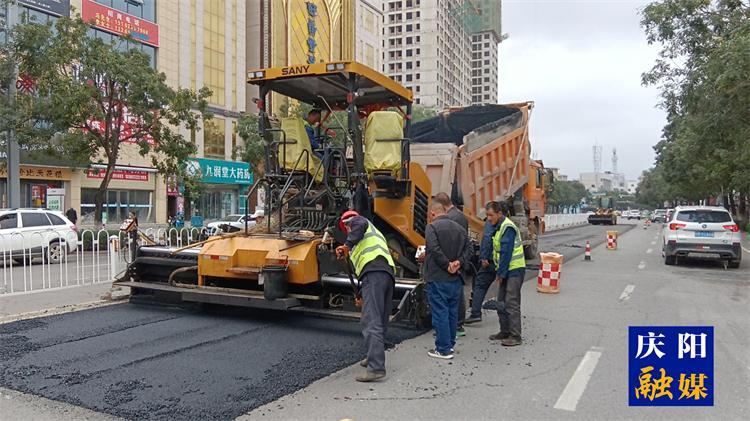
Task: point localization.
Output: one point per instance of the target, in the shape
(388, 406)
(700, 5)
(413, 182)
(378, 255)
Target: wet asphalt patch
(156, 363)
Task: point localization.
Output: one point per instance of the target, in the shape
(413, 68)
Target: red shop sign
(127, 175)
(118, 22)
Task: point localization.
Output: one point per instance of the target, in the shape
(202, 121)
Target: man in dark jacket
(71, 215)
(455, 215)
(447, 251)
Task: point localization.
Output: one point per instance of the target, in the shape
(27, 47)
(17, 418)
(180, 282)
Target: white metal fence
(48, 260)
(559, 221)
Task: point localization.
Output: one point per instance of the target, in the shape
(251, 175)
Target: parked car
(27, 234)
(702, 232)
(631, 214)
(659, 215)
(232, 223)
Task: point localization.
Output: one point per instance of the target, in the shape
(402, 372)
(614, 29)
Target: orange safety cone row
(611, 240)
(548, 280)
(587, 253)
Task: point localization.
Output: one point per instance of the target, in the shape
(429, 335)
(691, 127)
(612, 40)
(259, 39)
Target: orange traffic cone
(587, 253)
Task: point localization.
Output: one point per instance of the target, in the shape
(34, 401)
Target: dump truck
(479, 154)
(288, 261)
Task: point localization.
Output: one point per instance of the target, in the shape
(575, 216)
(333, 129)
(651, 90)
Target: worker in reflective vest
(374, 267)
(507, 247)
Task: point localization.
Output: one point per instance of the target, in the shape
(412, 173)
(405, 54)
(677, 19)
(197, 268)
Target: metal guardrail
(48, 260)
(558, 221)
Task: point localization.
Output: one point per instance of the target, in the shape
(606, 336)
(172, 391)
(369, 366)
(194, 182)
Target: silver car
(702, 232)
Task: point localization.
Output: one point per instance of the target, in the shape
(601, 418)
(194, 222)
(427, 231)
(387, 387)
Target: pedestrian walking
(507, 248)
(446, 252)
(374, 267)
(71, 215)
(455, 215)
(486, 273)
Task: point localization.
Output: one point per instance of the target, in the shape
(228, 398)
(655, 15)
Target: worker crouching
(374, 267)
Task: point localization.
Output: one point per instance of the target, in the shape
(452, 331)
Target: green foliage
(419, 113)
(252, 150)
(93, 98)
(565, 195)
(703, 72)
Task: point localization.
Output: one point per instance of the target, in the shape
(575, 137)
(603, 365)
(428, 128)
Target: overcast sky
(581, 62)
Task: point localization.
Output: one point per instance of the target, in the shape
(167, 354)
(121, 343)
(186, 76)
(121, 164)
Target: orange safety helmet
(345, 217)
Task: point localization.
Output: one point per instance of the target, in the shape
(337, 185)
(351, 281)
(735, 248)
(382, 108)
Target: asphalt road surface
(144, 362)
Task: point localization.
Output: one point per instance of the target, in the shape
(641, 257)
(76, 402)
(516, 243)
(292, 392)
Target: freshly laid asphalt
(144, 362)
(153, 363)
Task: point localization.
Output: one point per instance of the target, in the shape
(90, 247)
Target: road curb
(57, 310)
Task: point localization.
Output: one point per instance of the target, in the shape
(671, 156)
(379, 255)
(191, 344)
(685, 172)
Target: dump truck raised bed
(482, 153)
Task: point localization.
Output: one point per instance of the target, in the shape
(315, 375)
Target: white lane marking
(746, 250)
(649, 251)
(641, 265)
(572, 393)
(626, 292)
(653, 242)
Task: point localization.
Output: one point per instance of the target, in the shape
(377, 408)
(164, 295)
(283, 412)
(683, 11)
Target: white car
(702, 232)
(31, 233)
(231, 223)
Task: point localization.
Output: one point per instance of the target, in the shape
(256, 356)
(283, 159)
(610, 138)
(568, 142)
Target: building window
(119, 203)
(408, 28)
(145, 9)
(213, 138)
(213, 51)
(123, 45)
(408, 53)
(408, 78)
(409, 40)
(408, 65)
(486, 62)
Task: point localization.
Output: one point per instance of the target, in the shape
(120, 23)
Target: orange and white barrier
(548, 280)
(611, 240)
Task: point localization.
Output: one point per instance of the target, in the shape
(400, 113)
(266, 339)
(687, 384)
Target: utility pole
(13, 164)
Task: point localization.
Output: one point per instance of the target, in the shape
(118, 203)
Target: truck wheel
(670, 260)
(734, 264)
(530, 252)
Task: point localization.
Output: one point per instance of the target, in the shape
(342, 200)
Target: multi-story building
(369, 34)
(446, 51)
(195, 43)
(484, 52)
(427, 49)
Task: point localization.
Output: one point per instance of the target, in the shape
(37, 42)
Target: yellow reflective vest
(369, 248)
(517, 260)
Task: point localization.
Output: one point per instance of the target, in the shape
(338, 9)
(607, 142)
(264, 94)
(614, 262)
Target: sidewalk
(31, 304)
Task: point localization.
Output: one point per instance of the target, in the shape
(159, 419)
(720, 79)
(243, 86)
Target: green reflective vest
(369, 248)
(517, 260)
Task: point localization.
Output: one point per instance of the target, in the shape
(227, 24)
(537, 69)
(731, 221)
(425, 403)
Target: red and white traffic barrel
(550, 267)
(611, 240)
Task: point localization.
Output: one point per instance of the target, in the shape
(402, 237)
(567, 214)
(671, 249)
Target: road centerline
(649, 251)
(626, 292)
(641, 265)
(573, 391)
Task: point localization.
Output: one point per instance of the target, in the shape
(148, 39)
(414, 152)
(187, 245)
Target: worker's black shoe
(472, 319)
(363, 363)
(370, 376)
(499, 336)
(511, 341)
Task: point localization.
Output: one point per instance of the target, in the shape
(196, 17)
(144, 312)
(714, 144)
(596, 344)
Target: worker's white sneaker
(435, 354)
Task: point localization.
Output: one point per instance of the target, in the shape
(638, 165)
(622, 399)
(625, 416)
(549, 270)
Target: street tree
(93, 101)
(702, 71)
(566, 195)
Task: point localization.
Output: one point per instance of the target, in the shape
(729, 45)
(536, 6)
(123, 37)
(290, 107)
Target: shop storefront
(226, 185)
(132, 189)
(36, 182)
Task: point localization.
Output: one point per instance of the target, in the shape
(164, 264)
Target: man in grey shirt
(455, 215)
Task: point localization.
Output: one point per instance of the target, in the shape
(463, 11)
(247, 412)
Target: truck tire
(733, 264)
(670, 260)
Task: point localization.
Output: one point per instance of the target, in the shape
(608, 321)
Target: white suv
(702, 231)
(36, 233)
